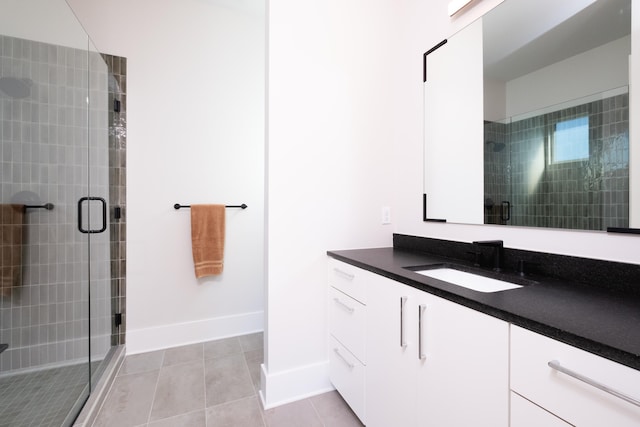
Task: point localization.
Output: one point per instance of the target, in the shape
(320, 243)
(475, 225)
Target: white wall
(195, 110)
(330, 142)
(47, 21)
(425, 24)
(597, 70)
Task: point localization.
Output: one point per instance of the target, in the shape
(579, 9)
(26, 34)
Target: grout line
(178, 415)
(204, 384)
(316, 411)
(155, 390)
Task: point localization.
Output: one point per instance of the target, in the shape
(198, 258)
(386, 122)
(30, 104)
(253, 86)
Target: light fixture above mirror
(456, 5)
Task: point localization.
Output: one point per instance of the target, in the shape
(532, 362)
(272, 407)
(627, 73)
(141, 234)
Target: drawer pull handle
(554, 364)
(403, 340)
(344, 274)
(343, 305)
(421, 309)
(349, 364)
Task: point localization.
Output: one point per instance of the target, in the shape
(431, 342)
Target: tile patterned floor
(213, 384)
(41, 398)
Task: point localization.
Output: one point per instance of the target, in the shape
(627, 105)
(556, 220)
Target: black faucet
(498, 246)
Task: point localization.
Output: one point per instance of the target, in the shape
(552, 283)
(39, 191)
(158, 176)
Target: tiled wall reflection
(589, 194)
(497, 173)
(45, 319)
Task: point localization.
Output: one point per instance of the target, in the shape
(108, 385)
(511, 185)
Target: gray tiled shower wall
(45, 320)
(590, 194)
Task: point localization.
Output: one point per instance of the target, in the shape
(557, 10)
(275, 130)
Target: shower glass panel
(55, 312)
(100, 313)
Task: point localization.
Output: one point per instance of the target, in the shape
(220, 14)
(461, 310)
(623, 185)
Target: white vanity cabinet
(392, 355)
(347, 326)
(575, 395)
(433, 362)
(528, 414)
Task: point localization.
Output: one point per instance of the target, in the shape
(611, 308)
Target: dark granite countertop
(602, 321)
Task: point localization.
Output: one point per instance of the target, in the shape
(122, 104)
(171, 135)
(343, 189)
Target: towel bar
(178, 206)
(47, 206)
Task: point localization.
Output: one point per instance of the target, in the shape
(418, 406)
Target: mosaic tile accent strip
(117, 67)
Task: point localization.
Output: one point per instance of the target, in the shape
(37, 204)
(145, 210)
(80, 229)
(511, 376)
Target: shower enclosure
(56, 315)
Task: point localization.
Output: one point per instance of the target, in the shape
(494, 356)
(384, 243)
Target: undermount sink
(468, 280)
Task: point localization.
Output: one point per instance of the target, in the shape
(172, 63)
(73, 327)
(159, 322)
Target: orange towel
(11, 232)
(207, 239)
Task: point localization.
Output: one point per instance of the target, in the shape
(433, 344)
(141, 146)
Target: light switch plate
(386, 215)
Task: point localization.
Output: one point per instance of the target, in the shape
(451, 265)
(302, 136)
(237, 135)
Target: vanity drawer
(349, 279)
(347, 322)
(572, 399)
(347, 376)
(527, 414)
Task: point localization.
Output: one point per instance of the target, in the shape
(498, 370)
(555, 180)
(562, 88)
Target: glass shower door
(54, 304)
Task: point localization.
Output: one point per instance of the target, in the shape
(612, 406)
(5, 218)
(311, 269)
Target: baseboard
(295, 384)
(161, 337)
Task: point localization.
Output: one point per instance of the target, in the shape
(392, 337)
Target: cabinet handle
(344, 274)
(403, 341)
(349, 364)
(343, 305)
(554, 364)
(421, 309)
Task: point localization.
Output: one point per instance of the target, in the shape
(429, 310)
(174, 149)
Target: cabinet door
(463, 378)
(527, 414)
(390, 381)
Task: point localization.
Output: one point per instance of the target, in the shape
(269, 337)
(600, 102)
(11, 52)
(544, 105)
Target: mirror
(527, 117)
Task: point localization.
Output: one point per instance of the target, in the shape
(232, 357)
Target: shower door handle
(104, 215)
(506, 207)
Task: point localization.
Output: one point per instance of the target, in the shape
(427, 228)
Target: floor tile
(192, 419)
(222, 348)
(143, 362)
(180, 390)
(240, 413)
(252, 341)
(183, 354)
(225, 384)
(254, 359)
(129, 400)
(296, 414)
(227, 379)
(334, 411)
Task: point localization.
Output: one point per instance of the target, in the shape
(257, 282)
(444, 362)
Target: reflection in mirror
(555, 145)
(567, 168)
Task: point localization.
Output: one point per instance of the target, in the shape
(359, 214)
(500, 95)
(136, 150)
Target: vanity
(559, 349)
(526, 123)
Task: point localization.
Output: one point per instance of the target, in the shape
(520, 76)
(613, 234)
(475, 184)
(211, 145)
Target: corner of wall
(279, 388)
